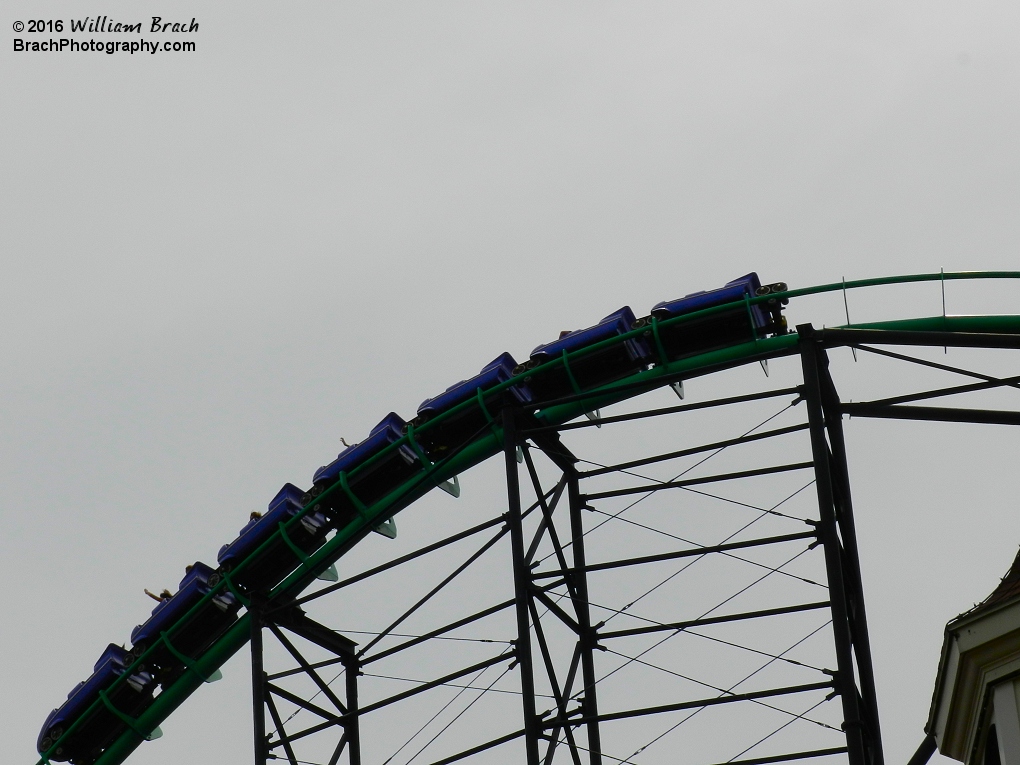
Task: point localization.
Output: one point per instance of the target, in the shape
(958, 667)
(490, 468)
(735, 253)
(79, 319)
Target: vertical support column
(588, 637)
(522, 581)
(853, 724)
(352, 667)
(851, 559)
(258, 681)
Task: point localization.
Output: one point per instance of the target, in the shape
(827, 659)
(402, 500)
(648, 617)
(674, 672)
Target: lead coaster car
(370, 482)
(743, 322)
(88, 741)
(192, 638)
(589, 370)
(456, 430)
(279, 558)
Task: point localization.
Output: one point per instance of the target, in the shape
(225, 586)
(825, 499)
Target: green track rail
(554, 414)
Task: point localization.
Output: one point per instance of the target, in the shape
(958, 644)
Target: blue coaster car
(741, 324)
(590, 370)
(278, 559)
(101, 728)
(207, 624)
(371, 484)
(440, 440)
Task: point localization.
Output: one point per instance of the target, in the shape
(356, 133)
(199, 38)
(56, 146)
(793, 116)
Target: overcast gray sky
(216, 263)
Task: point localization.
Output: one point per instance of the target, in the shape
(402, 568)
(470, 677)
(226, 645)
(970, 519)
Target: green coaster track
(969, 330)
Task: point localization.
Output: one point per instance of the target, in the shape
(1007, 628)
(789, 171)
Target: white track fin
(329, 575)
(451, 487)
(387, 528)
